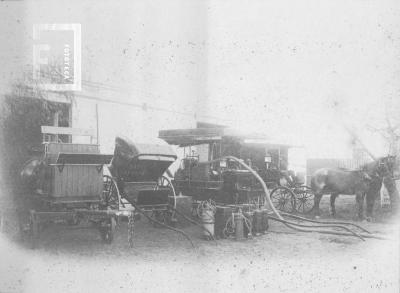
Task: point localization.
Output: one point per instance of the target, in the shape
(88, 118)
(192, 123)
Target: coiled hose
(294, 225)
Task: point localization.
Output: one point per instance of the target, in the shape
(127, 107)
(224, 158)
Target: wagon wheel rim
(283, 199)
(164, 181)
(304, 199)
(111, 195)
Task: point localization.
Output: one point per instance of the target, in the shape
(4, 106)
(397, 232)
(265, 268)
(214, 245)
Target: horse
(363, 182)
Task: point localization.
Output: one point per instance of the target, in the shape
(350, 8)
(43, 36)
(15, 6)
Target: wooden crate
(74, 181)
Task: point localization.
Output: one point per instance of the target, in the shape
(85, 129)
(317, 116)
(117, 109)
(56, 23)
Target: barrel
(239, 227)
(222, 215)
(207, 219)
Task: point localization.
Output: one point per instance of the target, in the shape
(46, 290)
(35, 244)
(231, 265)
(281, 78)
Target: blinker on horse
(365, 182)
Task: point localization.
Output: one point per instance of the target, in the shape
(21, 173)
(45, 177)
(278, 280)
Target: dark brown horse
(365, 182)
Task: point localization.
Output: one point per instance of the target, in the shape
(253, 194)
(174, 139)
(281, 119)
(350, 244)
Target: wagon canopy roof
(195, 136)
(145, 149)
(141, 162)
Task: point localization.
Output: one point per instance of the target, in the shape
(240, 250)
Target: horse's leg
(317, 199)
(333, 198)
(360, 205)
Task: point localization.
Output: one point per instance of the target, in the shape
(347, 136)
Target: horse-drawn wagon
(67, 184)
(73, 183)
(137, 172)
(227, 183)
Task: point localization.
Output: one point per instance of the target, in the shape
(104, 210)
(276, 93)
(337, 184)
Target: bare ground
(280, 261)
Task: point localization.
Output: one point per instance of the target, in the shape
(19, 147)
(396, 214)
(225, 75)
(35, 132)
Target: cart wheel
(283, 199)
(107, 232)
(304, 199)
(111, 195)
(164, 181)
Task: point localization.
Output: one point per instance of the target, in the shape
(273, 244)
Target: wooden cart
(138, 172)
(69, 185)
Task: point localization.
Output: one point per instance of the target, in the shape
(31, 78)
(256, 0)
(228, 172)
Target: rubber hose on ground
(195, 223)
(164, 225)
(326, 222)
(268, 198)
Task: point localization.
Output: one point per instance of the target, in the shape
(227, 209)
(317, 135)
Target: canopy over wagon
(220, 141)
(140, 162)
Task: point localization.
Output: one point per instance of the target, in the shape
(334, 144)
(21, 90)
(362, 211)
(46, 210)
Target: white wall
(293, 69)
(122, 120)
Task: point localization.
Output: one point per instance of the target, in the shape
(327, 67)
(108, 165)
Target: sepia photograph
(199, 146)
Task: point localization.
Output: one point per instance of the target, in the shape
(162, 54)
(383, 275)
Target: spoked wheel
(111, 195)
(283, 199)
(165, 182)
(304, 199)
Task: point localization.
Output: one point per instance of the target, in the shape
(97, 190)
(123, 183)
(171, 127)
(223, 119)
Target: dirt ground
(280, 261)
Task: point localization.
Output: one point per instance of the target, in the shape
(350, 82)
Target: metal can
(248, 226)
(239, 231)
(207, 219)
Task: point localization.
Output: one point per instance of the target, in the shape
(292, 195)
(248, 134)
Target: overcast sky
(293, 69)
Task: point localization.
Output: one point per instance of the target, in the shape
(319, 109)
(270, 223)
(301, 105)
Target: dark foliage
(22, 113)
